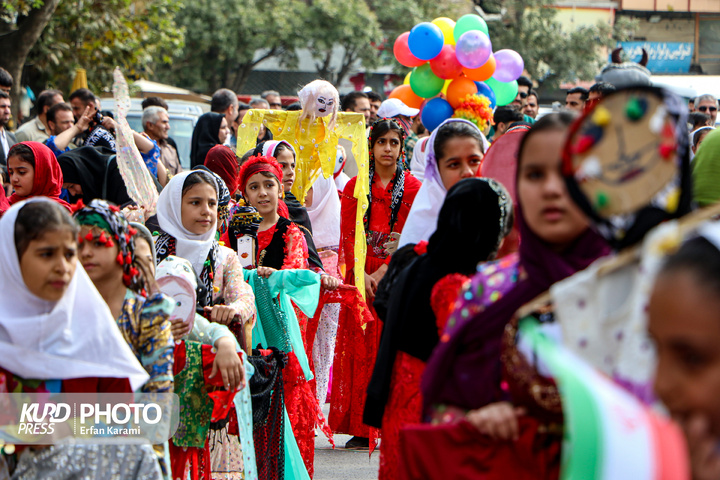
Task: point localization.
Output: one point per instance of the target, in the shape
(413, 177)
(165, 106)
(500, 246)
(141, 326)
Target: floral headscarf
(113, 229)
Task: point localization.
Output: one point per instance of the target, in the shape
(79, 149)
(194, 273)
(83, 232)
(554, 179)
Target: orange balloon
(405, 94)
(460, 88)
(481, 74)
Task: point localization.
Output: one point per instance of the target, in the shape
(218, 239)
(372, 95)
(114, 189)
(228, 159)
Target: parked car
(183, 118)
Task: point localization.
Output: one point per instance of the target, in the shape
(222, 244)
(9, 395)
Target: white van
(183, 118)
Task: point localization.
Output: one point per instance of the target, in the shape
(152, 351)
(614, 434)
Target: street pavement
(341, 464)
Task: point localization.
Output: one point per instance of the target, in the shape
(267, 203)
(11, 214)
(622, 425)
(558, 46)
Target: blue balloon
(486, 91)
(435, 112)
(426, 41)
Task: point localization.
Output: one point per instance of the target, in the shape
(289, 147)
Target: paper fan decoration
(137, 177)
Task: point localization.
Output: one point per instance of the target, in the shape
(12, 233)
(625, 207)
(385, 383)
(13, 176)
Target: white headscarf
(75, 337)
(325, 213)
(341, 178)
(419, 159)
(422, 219)
(192, 247)
(269, 147)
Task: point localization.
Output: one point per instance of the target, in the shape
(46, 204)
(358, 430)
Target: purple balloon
(509, 65)
(473, 49)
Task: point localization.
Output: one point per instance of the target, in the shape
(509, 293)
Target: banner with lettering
(663, 57)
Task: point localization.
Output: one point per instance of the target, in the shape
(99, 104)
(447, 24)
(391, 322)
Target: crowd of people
(463, 228)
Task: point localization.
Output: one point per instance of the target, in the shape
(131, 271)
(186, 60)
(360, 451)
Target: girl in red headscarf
(281, 246)
(222, 161)
(34, 172)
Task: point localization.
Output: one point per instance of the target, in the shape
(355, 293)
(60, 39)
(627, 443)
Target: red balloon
(403, 54)
(446, 65)
(407, 96)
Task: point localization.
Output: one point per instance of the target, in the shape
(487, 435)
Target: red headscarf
(48, 179)
(222, 161)
(258, 164)
(4, 204)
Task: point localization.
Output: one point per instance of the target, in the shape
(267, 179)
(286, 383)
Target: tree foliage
(226, 39)
(21, 23)
(350, 25)
(222, 37)
(552, 55)
(98, 35)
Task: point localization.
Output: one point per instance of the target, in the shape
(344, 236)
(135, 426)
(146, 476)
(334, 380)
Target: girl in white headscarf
(58, 335)
(454, 151)
(187, 214)
(53, 322)
(324, 211)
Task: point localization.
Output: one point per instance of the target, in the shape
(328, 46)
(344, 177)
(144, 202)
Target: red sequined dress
(356, 348)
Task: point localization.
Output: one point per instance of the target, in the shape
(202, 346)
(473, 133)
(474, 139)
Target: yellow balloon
(445, 87)
(447, 26)
(407, 79)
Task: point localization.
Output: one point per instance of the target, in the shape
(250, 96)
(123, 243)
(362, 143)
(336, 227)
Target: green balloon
(469, 22)
(424, 82)
(505, 92)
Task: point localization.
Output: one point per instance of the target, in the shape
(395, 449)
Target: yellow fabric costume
(316, 147)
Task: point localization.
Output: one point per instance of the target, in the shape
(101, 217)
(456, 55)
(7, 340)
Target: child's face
(22, 175)
(700, 141)
(386, 149)
(143, 250)
(462, 157)
(685, 324)
(199, 208)
(286, 159)
(547, 207)
(99, 260)
(48, 265)
(263, 193)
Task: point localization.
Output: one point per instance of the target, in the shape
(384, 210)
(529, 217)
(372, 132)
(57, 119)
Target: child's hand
(229, 363)
(702, 446)
(370, 287)
(497, 420)
(265, 272)
(221, 314)
(179, 328)
(148, 274)
(330, 282)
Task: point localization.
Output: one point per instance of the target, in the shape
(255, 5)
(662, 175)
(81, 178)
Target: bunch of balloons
(454, 59)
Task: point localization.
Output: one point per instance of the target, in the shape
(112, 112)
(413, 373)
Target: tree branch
(15, 46)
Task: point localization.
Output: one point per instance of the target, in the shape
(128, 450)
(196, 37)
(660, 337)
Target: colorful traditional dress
(283, 247)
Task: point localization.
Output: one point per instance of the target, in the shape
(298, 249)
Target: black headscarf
(95, 170)
(475, 217)
(205, 136)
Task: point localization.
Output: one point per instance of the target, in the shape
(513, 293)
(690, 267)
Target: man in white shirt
(36, 130)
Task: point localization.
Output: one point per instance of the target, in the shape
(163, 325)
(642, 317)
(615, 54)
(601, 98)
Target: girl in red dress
(392, 192)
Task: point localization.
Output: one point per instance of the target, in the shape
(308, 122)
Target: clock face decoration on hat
(626, 163)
